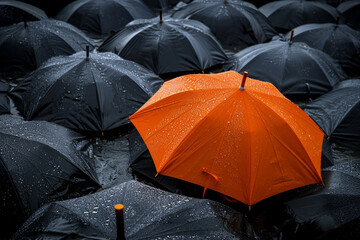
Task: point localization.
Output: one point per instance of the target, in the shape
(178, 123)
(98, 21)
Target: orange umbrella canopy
(248, 144)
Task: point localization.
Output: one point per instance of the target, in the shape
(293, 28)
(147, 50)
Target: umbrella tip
(119, 214)
(242, 87)
(87, 51)
(161, 18)
(291, 35)
(249, 208)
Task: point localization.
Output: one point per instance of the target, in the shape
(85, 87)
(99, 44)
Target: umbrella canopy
(167, 46)
(14, 12)
(236, 24)
(107, 90)
(297, 70)
(102, 17)
(350, 13)
(51, 7)
(149, 213)
(338, 113)
(338, 40)
(248, 144)
(24, 46)
(329, 208)
(286, 15)
(143, 166)
(158, 5)
(4, 100)
(40, 163)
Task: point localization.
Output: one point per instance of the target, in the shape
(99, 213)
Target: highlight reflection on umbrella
(107, 91)
(149, 214)
(40, 163)
(248, 144)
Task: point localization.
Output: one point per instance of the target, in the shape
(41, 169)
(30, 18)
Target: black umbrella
(236, 24)
(338, 40)
(149, 213)
(40, 163)
(24, 46)
(158, 5)
(285, 15)
(51, 7)
(297, 70)
(4, 100)
(321, 211)
(350, 13)
(102, 17)
(107, 90)
(14, 11)
(338, 113)
(167, 46)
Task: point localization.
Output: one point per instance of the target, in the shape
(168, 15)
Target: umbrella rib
(194, 127)
(311, 168)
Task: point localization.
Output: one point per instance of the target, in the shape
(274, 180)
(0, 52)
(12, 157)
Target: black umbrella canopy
(158, 5)
(338, 113)
(51, 7)
(40, 163)
(24, 46)
(102, 17)
(4, 100)
(12, 12)
(167, 46)
(236, 24)
(350, 13)
(297, 70)
(288, 14)
(338, 40)
(149, 213)
(320, 212)
(107, 90)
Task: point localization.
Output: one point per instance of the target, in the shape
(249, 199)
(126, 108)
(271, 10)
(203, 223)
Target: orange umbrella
(248, 143)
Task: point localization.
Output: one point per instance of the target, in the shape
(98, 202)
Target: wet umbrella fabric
(297, 70)
(158, 5)
(212, 134)
(338, 40)
(286, 15)
(168, 46)
(107, 90)
(143, 166)
(236, 24)
(4, 100)
(24, 46)
(40, 163)
(149, 214)
(51, 7)
(12, 12)
(350, 13)
(328, 208)
(102, 17)
(338, 113)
